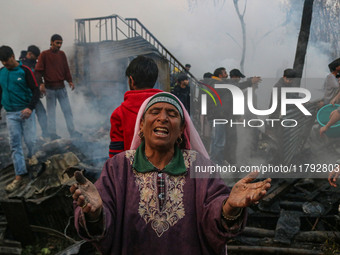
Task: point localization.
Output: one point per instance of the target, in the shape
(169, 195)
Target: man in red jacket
(53, 67)
(142, 74)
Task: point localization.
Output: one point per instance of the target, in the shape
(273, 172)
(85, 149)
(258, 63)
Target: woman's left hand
(245, 193)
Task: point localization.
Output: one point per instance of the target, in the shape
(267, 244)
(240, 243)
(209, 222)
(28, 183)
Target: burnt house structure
(103, 49)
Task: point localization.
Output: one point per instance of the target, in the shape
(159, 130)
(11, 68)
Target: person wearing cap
(236, 76)
(149, 200)
(331, 84)
(29, 58)
(182, 90)
(287, 80)
(51, 71)
(250, 133)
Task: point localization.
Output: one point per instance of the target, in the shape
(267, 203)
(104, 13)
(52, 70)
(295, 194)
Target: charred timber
(303, 236)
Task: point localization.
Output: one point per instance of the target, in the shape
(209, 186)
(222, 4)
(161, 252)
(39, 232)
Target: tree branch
(237, 43)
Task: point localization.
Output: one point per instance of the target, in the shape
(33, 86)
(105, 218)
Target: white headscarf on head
(192, 138)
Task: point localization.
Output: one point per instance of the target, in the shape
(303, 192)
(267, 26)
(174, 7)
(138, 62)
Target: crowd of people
(23, 83)
(146, 194)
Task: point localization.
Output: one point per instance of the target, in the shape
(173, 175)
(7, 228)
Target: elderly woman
(146, 200)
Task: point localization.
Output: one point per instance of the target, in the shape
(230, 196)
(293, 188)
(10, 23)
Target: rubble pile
(44, 201)
(302, 214)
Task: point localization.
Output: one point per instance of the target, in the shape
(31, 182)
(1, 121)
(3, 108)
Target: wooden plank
(10, 251)
(302, 236)
(279, 189)
(270, 250)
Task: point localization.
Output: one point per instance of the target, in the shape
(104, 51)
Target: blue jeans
(42, 118)
(218, 144)
(21, 128)
(224, 144)
(51, 101)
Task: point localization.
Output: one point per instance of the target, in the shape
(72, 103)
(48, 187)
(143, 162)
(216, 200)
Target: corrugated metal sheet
(290, 141)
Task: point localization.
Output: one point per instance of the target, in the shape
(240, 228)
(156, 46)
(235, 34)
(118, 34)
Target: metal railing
(107, 28)
(115, 28)
(138, 29)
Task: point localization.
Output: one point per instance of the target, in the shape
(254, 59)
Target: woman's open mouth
(161, 131)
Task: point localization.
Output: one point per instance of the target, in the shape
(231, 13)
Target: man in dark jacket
(286, 81)
(19, 93)
(29, 58)
(53, 67)
(182, 90)
(221, 148)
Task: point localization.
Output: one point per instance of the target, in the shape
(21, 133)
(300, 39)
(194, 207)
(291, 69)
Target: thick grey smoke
(205, 35)
(194, 35)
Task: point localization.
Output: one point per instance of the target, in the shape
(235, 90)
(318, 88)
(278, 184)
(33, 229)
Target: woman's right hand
(87, 197)
(246, 192)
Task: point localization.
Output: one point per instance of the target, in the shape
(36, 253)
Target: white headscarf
(193, 140)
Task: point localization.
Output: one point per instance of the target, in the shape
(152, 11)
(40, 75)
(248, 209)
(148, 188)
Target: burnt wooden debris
(43, 203)
(307, 224)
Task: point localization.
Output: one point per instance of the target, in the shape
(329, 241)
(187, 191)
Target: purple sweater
(189, 223)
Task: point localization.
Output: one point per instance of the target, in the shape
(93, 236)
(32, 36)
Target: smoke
(206, 35)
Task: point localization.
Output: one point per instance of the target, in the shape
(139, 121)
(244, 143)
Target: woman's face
(161, 126)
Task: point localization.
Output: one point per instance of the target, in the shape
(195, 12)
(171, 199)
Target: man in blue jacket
(19, 93)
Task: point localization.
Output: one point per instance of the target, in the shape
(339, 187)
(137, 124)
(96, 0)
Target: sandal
(13, 185)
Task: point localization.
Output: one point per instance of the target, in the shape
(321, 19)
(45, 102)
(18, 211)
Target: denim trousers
(42, 118)
(224, 144)
(52, 95)
(21, 128)
(218, 144)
